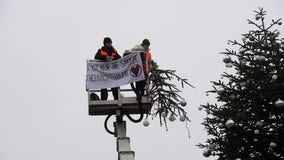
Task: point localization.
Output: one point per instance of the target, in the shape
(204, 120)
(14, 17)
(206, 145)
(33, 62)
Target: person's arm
(99, 56)
(117, 56)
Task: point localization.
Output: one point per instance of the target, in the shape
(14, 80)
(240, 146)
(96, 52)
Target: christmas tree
(247, 120)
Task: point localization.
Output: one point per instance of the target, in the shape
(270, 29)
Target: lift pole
(122, 142)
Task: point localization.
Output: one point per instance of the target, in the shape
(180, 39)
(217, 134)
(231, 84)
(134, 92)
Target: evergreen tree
(247, 120)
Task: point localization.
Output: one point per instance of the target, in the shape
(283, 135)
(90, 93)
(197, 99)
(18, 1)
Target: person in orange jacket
(107, 53)
(144, 46)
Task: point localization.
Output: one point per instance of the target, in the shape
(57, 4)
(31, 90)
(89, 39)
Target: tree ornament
(271, 129)
(274, 77)
(279, 23)
(226, 59)
(256, 131)
(182, 118)
(164, 114)
(230, 123)
(172, 118)
(261, 58)
(229, 65)
(206, 152)
(279, 103)
(146, 123)
(200, 108)
(220, 90)
(259, 124)
(272, 145)
(183, 103)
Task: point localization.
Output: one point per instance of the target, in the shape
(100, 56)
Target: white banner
(109, 74)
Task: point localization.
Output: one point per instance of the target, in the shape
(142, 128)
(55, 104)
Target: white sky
(44, 46)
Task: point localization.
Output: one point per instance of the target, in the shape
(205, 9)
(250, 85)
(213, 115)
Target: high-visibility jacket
(148, 58)
(104, 53)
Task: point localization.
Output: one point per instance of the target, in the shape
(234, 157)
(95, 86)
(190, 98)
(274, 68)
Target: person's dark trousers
(115, 93)
(104, 93)
(140, 87)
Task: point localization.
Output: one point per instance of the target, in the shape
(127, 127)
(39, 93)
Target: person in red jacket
(144, 46)
(107, 53)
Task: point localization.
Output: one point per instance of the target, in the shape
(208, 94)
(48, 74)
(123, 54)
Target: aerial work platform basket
(128, 105)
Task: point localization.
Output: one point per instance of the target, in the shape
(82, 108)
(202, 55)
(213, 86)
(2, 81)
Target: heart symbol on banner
(135, 70)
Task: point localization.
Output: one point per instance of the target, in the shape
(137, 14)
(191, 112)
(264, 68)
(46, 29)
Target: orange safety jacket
(148, 58)
(104, 53)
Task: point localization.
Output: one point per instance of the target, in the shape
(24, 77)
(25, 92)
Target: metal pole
(122, 142)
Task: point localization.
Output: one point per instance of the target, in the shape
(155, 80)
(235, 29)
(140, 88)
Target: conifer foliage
(168, 104)
(247, 120)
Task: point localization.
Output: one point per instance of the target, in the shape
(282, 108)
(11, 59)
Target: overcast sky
(44, 45)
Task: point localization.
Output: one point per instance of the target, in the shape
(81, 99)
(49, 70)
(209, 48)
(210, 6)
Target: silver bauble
(146, 123)
(274, 77)
(182, 118)
(256, 131)
(230, 123)
(261, 58)
(258, 124)
(206, 153)
(220, 90)
(279, 103)
(183, 103)
(164, 114)
(272, 145)
(226, 59)
(172, 118)
(229, 65)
